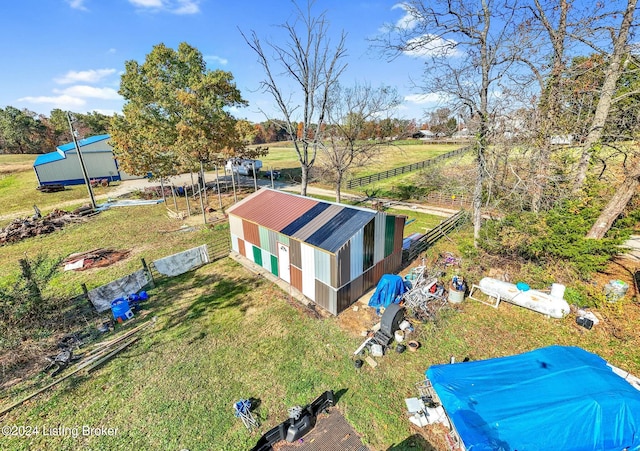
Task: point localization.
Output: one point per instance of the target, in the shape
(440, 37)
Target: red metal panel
(241, 247)
(272, 209)
(251, 232)
(392, 262)
(296, 278)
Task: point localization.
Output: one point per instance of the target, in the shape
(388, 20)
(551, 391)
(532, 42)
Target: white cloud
(64, 102)
(86, 76)
(111, 51)
(216, 59)
(77, 4)
(180, 7)
(431, 45)
(421, 99)
(408, 21)
(84, 91)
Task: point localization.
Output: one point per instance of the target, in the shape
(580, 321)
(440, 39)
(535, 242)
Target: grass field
(224, 333)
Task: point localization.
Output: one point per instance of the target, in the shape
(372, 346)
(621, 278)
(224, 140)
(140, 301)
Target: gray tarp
(182, 262)
(102, 297)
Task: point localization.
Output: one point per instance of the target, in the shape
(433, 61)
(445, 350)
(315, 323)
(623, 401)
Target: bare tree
(309, 60)
(464, 44)
(349, 113)
(620, 38)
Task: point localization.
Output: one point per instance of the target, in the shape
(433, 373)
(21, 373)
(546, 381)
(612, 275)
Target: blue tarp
(554, 398)
(389, 291)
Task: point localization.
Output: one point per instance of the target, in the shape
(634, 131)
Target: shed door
(283, 262)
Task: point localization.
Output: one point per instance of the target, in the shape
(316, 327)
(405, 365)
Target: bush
(556, 235)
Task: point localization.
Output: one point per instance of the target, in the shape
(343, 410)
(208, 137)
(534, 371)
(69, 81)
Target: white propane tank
(538, 301)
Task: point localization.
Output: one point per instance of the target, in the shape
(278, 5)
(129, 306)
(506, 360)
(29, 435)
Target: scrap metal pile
(22, 228)
(427, 295)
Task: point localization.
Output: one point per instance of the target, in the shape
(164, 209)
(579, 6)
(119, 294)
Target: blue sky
(69, 54)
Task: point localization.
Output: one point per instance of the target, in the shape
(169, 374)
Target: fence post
(146, 268)
(86, 294)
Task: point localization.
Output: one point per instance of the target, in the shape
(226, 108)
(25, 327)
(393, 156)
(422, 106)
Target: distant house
(424, 134)
(464, 133)
(63, 166)
(331, 253)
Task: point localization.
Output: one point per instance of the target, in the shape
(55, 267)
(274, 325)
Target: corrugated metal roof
(83, 142)
(48, 158)
(274, 210)
(337, 231)
(325, 225)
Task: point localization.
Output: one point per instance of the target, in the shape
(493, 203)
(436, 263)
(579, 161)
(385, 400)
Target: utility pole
(82, 166)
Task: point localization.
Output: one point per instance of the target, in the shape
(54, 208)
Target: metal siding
(284, 239)
(355, 259)
(273, 242)
(389, 234)
(368, 245)
(319, 221)
(274, 265)
(333, 268)
(322, 295)
(241, 247)
(322, 266)
(251, 234)
(296, 278)
(343, 257)
(266, 260)
(397, 241)
(272, 209)
(257, 255)
(392, 262)
(308, 271)
(264, 239)
(378, 252)
(349, 294)
(235, 226)
(294, 252)
(234, 243)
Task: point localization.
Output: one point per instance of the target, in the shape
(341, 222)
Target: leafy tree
(175, 113)
(21, 131)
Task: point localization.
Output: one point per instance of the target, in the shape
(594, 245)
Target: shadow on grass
(413, 443)
(219, 293)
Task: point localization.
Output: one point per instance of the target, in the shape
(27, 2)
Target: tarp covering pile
(182, 262)
(389, 291)
(554, 398)
(102, 297)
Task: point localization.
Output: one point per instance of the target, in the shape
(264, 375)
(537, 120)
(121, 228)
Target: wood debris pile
(22, 228)
(96, 258)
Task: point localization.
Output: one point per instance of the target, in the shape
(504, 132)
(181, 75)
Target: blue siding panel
(304, 219)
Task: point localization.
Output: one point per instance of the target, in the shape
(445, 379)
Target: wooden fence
(433, 235)
(365, 180)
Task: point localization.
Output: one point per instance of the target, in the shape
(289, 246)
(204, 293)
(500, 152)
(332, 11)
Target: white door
(283, 262)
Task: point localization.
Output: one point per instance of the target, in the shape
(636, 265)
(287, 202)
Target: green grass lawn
(224, 333)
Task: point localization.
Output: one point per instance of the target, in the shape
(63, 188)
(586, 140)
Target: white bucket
(399, 336)
(557, 290)
(404, 325)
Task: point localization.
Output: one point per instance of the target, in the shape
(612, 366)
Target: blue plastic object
(522, 286)
(121, 309)
(389, 291)
(553, 398)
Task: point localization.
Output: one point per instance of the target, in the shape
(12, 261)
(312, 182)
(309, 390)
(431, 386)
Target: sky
(70, 54)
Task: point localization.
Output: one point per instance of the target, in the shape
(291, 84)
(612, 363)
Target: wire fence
(433, 235)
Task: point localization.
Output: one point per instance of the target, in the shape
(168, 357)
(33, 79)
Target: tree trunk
(339, 187)
(617, 204)
(606, 96)
(304, 179)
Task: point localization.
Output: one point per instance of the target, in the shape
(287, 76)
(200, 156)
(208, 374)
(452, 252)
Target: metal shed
(63, 167)
(332, 253)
